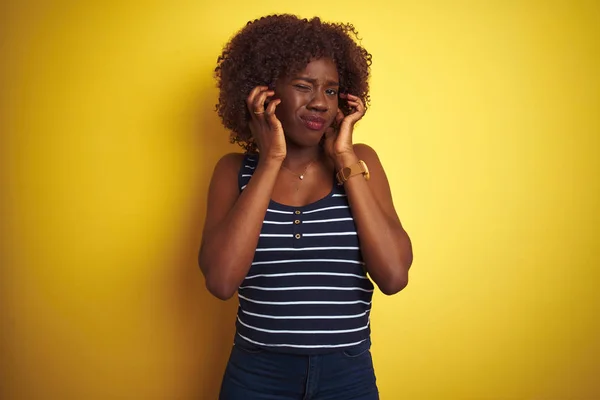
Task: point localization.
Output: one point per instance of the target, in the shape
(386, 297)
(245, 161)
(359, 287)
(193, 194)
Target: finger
(252, 96)
(253, 93)
(272, 106)
(259, 101)
(352, 99)
(358, 106)
(355, 100)
(270, 114)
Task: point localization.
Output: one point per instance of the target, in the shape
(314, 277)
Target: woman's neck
(297, 158)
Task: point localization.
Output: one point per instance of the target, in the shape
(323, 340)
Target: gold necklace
(300, 176)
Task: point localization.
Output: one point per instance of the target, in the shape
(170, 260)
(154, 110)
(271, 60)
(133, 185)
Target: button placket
(297, 229)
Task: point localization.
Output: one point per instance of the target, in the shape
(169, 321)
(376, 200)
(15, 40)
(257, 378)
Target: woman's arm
(385, 245)
(233, 223)
(233, 220)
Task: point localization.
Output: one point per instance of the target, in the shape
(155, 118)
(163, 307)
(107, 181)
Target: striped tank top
(307, 290)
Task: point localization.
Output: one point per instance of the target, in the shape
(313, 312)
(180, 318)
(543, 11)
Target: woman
(296, 223)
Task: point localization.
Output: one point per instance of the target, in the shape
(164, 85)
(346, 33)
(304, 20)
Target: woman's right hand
(265, 127)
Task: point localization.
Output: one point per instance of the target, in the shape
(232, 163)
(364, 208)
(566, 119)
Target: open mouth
(314, 123)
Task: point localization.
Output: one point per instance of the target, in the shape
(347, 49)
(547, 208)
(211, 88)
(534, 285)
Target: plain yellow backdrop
(485, 115)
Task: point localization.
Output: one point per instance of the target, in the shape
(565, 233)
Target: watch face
(346, 172)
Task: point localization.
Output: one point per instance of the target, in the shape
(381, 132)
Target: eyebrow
(313, 81)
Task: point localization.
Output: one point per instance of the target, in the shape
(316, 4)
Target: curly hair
(275, 46)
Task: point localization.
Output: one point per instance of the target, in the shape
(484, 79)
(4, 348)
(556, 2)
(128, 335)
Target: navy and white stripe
(307, 290)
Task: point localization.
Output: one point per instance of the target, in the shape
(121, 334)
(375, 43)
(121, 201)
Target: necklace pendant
(301, 177)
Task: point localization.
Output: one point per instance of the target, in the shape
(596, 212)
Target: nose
(318, 102)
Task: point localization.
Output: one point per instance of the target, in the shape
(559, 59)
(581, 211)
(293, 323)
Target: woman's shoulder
(232, 158)
(226, 176)
(231, 163)
(366, 153)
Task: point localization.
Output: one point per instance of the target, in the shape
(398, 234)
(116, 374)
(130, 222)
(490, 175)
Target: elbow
(395, 279)
(393, 286)
(220, 291)
(215, 285)
(394, 283)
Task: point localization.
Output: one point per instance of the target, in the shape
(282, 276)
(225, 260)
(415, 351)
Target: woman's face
(309, 102)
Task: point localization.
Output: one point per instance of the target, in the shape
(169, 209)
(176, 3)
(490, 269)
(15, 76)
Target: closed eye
(302, 87)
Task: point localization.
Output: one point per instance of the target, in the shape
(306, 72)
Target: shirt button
(297, 221)
(298, 236)
(297, 212)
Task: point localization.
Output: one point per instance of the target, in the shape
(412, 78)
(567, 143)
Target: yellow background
(484, 113)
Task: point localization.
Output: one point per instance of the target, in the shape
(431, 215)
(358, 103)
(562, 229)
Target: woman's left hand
(338, 138)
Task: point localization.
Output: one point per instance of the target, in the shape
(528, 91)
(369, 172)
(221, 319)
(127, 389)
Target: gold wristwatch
(360, 168)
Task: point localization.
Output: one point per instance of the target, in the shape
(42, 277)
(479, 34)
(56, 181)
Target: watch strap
(360, 168)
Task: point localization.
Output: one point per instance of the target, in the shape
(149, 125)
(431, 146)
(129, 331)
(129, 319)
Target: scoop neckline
(309, 205)
(253, 157)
